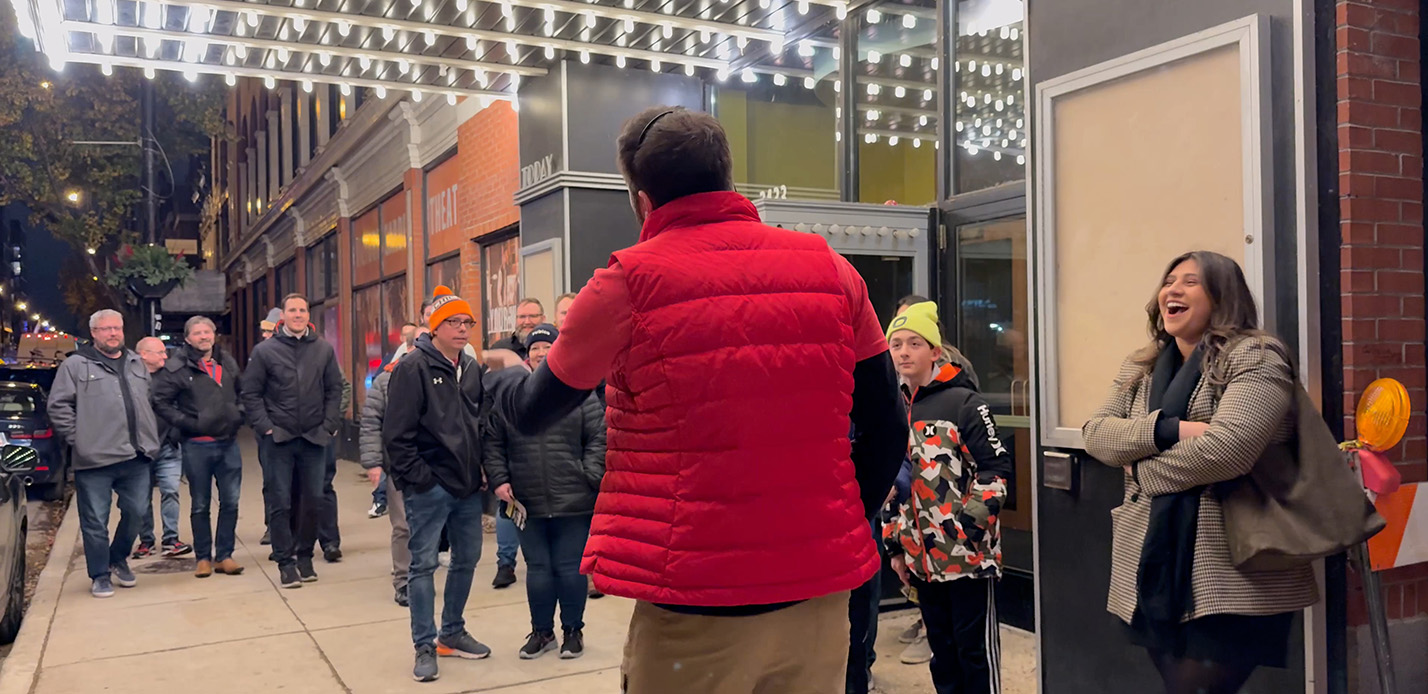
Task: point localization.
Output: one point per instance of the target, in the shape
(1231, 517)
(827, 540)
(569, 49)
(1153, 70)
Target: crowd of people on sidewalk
(717, 427)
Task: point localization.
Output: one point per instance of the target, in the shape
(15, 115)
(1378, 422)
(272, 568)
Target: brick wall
(1381, 208)
(488, 151)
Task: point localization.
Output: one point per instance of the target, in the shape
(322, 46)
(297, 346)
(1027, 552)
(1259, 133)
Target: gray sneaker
(919, 652)
(461, 646)
(123, 577)
(425, 669)
(912, 634)
(101, 588)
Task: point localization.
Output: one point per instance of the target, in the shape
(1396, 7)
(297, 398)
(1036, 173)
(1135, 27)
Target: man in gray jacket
(112, 453)
(374, 460)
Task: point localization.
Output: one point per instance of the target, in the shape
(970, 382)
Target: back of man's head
(669, 152)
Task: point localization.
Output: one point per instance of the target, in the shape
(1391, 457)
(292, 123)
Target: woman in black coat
(555, 477)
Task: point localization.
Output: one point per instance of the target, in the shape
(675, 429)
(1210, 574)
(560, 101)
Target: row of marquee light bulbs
(853, 230)
(200, 20)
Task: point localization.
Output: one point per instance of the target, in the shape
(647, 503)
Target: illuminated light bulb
(269, 82)
(253, 19)
(842, 11)
(870, 138)
(629, 24)
(780, 80)
(284, 54)
(909, 21)
(904, 60)
(381, 92)
(927, 95)
(892, 141)
(873, 114)
(324, 58)
(776, 44)
(1000, 68)
(1000, 105)
(300, 24)
(874, 89)
(916, 143)
(620, 41)
(505, 9)
(1004, 33)
(307, 86)
(743, 42)
(874, 57)
(585, 57)
(987, 98)
(108, 70)
(1020, 160)
(971, 66)
(241, 51)
(152, 47)
(997, 156)
(749, 77)
(723, 73)
(838, 86)
(430, 36)
(550, 14)
(689, 69)
(462, 5)
(922, 121)
(667, 30)
(803, 6)
(550, 52)
(703, 35)
(655, 65)
(900, 91)
(365, 62)
(620, 61)
(482, 79)
(344, 28)
(549, 29)
(590, 20)
(472, 44)
(1016, 74)
(838, 136)
(1011, 98)
(805, 49)
(764, 4)
(197, 17)
(986, 70)
(511, 48)
(450, 99)
(345, 89)
(416, 96)
(959, 126)
(874, 16)
(283, 33)
(809, 83)
(388, 33)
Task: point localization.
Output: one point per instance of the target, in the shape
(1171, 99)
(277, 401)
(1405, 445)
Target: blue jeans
(94, 489)
(166, 475)
(553, 548)
(207, 462)
(508, 538)
(379, 495)
(427, 513)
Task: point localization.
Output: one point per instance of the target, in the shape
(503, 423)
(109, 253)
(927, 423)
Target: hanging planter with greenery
(149, 271)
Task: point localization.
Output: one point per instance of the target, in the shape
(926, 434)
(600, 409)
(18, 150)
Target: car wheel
(15, 601)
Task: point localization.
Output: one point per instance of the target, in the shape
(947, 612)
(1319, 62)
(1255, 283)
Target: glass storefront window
(367, 334)
(784, 131)
(896, 93)
(366, 248)
(322, 269)
(445, 272)
(394, 234)
(285, 279)
(394, 301)
(990, 78)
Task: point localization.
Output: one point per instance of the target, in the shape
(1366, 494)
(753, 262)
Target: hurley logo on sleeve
(992, 439)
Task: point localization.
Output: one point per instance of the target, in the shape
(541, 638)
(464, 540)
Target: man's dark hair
(669, 152)
(410, 325)
(911, 299)
(292, 296)
(532, 300)
(425, 304)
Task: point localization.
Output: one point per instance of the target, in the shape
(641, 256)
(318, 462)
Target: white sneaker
(917, 653)
(444, 559)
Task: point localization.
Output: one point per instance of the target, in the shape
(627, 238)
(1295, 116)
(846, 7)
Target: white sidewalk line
(21, 667)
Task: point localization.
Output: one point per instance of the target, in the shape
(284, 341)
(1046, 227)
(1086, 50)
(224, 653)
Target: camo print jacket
(947, 529)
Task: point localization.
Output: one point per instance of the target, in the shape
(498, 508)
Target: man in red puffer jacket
(733, 509)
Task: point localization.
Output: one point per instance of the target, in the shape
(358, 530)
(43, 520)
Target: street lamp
(73, 197)
(22, 305)
(36, 317)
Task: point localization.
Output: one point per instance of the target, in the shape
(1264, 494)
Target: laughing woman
(1196, 407)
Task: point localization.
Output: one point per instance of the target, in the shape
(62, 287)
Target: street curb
(21, 667)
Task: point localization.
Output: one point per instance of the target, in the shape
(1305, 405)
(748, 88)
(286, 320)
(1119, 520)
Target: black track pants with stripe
(961, 621)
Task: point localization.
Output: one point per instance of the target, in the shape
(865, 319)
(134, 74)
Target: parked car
(25, 421)
(14, 528)
(42, 376)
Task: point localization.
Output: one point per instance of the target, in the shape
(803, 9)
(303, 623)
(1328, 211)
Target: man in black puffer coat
(554, 476)
(196, 393)
(292, 395)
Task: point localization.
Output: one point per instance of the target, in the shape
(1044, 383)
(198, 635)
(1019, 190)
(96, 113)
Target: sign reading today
(538, 171)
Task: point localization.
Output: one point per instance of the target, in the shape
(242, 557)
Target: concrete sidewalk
(175, 633)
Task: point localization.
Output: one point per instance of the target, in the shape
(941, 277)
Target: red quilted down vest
(728, 479)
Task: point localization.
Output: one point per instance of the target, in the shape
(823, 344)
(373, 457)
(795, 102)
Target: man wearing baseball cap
(433, 445)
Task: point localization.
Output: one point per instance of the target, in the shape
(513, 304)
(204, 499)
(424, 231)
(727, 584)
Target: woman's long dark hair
(1234, 314)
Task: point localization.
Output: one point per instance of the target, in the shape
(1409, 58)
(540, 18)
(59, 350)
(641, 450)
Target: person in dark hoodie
(196, 393)
(433, 445)
(291, 394)
(555, 476)
(945, 540)
(99, 403)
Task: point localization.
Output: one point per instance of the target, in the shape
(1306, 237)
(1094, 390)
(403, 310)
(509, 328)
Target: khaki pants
(401, 552)
(801, 649)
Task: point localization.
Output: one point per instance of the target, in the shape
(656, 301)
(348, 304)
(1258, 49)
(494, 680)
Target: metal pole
(1378, 620)
(848, 105)
(150, 197)
(946, 107)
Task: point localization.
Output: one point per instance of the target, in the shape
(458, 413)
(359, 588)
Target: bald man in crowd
(165, 472)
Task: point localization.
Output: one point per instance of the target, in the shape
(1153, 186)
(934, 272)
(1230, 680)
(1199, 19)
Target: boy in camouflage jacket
(945, 540)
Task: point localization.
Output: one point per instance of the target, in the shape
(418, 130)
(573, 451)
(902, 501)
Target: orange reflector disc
(1382, 416)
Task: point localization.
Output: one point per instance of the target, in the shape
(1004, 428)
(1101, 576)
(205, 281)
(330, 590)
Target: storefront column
(569, 120)
(413, 181)
(275, 157)
(285, 144)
